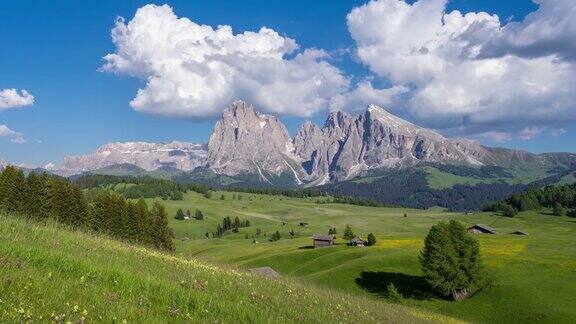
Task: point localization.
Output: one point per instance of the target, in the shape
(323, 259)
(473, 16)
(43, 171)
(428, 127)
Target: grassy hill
(51, 274)
(532, 277)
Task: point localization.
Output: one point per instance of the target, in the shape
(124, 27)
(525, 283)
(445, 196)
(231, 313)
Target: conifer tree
(162, 233)
(180, 214)
(450, 260)
(371, 239)
(348, 233)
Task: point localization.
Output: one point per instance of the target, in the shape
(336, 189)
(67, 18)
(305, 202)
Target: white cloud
(469, 72)
(194, 71)
(364, 94)
(13, 136)
(11, 98)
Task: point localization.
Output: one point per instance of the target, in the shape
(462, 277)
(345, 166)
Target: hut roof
(520, 232)
(357, 239)
(323, 237)
(486, 228)
(265, 271)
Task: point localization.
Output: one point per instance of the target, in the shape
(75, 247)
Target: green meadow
(529, 278)
(50, 274)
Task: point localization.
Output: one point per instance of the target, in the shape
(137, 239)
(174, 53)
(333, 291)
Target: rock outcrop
(148, 156)
(245, 141)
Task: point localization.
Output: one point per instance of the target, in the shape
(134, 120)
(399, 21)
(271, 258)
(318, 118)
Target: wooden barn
(322, 240)
(357, 241)
(481, 229)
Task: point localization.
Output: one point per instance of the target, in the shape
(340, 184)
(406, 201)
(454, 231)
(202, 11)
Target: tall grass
(49, 273)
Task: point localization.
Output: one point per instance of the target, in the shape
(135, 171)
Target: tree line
(45, 197)
(228, 224)
(409, 188)
(559, 198)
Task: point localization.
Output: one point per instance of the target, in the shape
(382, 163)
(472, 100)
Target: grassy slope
(48, 273)
(533, 276)
(441, 180)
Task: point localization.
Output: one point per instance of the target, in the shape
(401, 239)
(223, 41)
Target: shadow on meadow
(413, 287)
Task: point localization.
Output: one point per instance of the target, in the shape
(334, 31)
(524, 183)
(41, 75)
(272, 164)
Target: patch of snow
(298, 181)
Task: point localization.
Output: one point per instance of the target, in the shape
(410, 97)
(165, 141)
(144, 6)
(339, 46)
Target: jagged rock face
(149, 156)
(244, 141)
(346, 146)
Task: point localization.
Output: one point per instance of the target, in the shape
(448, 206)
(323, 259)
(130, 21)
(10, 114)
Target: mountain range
(245, 142)
(374, 155)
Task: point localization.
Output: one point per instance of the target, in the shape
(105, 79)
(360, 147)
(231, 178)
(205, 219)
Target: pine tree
(371, 239)
(348, 233)
(13, 192)
(162, 233)
(450, 260)
(558, 209)
(144, 223)
(275, 237)
(37, 202)
(180, 214)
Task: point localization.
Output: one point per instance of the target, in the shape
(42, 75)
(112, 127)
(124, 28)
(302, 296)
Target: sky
(74, 76)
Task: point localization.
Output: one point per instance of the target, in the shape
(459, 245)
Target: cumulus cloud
(469, 73)
(13, 136)
(11, 98)
(365, 94)
(194, 70)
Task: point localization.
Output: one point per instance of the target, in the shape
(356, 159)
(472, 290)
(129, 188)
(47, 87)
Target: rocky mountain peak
(338, 119)
(245, 141)
(149, 156)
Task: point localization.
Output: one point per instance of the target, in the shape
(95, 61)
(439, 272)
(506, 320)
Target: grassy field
(51, 274)
(532, 278)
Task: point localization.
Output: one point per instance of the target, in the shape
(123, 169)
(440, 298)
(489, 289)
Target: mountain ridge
(247, 142)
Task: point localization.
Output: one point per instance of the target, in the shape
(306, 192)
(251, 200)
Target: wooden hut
(357, 241)
(481, 229)
(322, 240)
(519, 232)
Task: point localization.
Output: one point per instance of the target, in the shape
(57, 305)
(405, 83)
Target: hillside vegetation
(531, 278)
(50, 273)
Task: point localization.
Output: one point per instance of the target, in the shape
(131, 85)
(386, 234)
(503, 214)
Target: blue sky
(54, 49)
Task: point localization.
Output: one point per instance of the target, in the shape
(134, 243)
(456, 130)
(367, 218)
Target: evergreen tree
(450, 260)
(37, 206)
(275, 237)
(13, 190)
(179, 215)
(132, 229)
(162, 233)
(558, 209)
(371, 239)
(508, 211)
(348, 233)
(144, 222)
